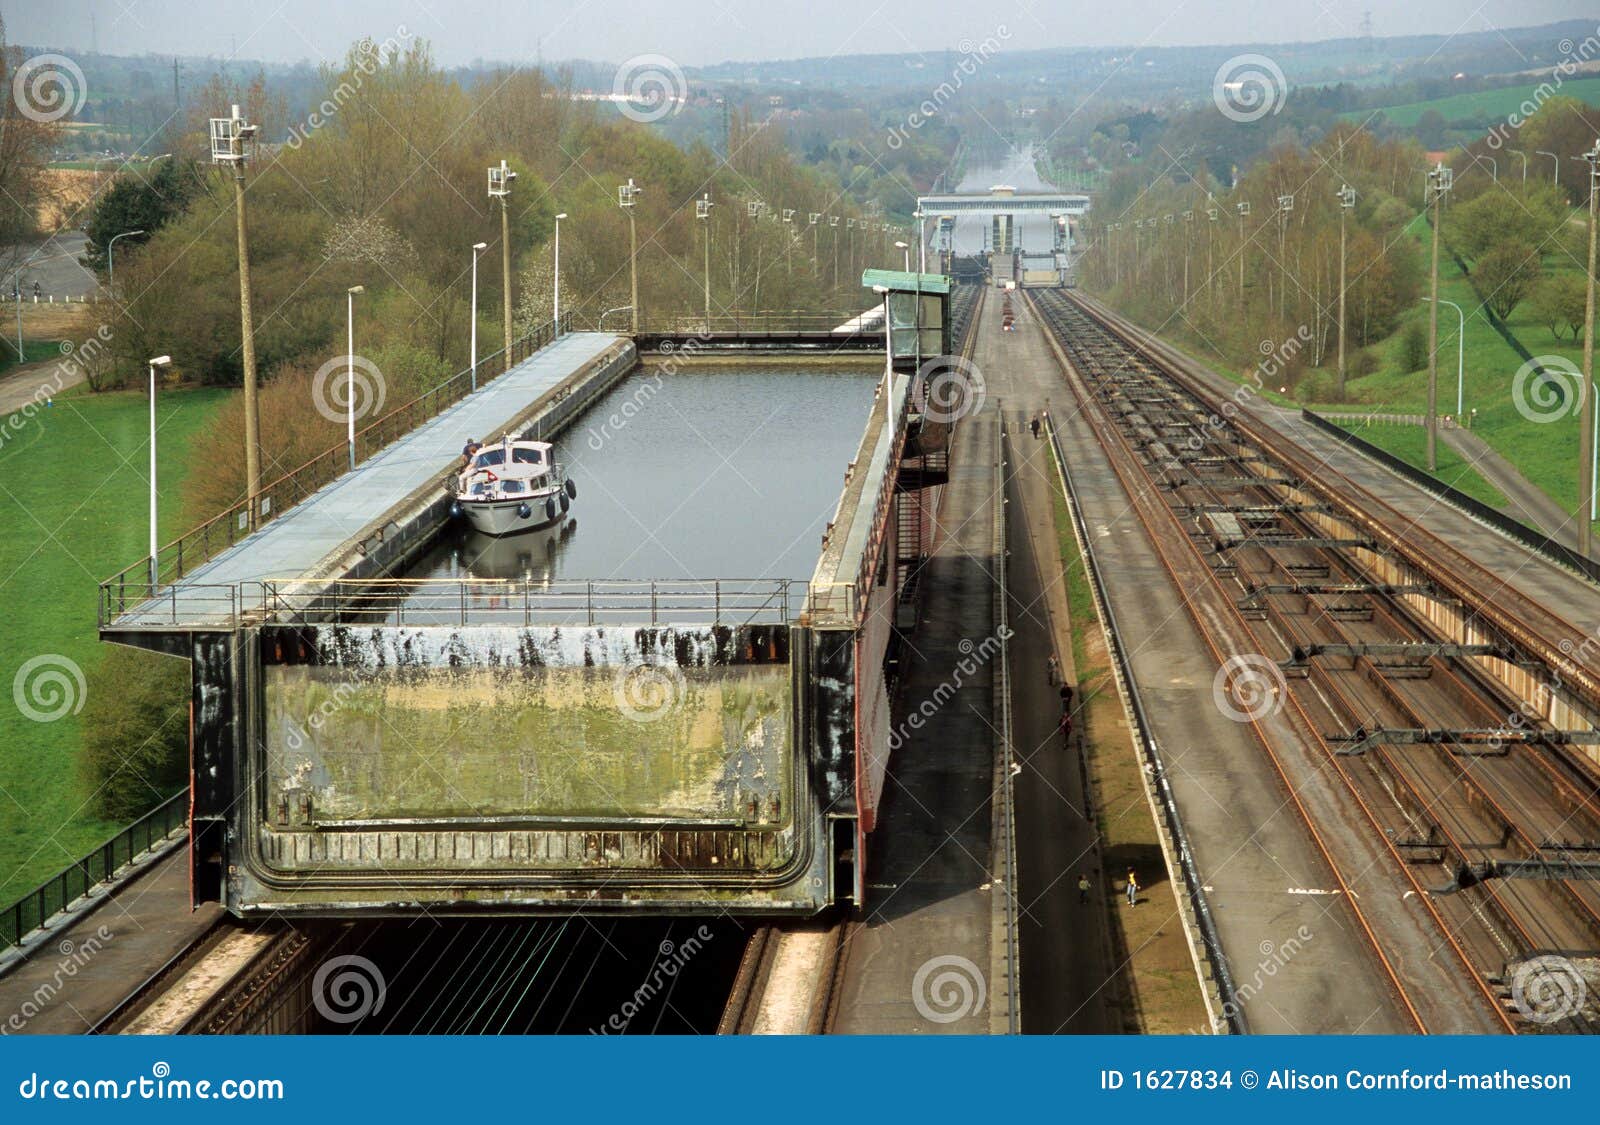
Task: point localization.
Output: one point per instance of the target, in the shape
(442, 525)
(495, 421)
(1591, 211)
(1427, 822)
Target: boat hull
(504, 517)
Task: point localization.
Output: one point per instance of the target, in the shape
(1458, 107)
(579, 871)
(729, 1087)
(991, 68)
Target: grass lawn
(73, 495)
(35, 351)
(1546, 452)
(1410, 444)
(1481, 106)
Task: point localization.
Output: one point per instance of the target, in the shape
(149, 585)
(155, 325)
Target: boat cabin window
(479, 488)
(528, 456)
(490, 457)
(511, 488)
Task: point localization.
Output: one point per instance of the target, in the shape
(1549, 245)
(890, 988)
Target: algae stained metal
(508, 767)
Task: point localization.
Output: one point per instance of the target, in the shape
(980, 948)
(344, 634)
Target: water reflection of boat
(531, 556)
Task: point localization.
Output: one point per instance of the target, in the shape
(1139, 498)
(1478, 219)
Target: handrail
(99, 866)
(203, 542)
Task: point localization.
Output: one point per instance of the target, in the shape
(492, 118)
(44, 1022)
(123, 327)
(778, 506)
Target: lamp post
(159, 361)
(1586, 426)
(555, 313)
(906, 256)
(500, 180)
(1285, 205)
(888, 332)
(111, 266)
(1243, 208)
(702, 211)
(477, 248)
(1461, 351)
(350, 371)
(627, 195)
(1519, 152)
(1347, 200)
(1440, 180)
(1556, 177)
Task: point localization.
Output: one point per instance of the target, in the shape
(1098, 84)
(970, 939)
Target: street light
(111, 268)
(1556, 179)
(1519, 152)
(500, 180)
(477, 248)
(1441, 178)
(1461, 351)
(556, 313)
(1347, 201)
(350, 371)
(159, 361)
(231, 137)
(905, 246)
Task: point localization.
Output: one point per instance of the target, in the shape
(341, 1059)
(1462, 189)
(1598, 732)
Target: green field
(1410, 444)
(73, 495)
(1482, 106)
(36, 351)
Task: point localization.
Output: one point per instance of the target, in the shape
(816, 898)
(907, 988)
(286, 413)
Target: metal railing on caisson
(132, 585)
(777, 323)
(110, 859)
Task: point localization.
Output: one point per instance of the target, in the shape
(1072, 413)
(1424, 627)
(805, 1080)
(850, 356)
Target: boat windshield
(490, 457)
(511, 488)
(479, 488)
(528, 456)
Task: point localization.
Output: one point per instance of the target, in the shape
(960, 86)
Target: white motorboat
(512, 486)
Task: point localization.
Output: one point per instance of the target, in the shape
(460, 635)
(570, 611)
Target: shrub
(135, 731)
(1414, 347)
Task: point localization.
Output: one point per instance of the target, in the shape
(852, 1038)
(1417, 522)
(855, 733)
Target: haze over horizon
(743, 30)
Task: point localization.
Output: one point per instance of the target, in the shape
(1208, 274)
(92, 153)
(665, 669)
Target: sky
(698, 32)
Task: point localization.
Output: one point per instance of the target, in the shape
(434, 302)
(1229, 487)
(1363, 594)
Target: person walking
(1133, 888)
(1083, 889)
(1033, 424)
(1052, 669)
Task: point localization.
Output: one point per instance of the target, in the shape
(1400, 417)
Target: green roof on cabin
(898, 281)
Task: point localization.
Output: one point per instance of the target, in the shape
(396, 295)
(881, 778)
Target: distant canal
(717, 471)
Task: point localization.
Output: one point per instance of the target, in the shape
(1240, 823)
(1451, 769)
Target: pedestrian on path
(1033, 424)
(1066, 726)
(1053, 670)
(1133, 888)
(1066, 694)
(1083, 889)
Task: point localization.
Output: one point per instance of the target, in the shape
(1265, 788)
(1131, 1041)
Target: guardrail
(1122, 667)
(199, 544)
(1538, 541)
(111, 858)
(465, 601)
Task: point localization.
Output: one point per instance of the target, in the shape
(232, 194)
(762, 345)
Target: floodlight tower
(500, 188)
(232, 138)
(627, 195)
(1243, 208)
(702, 212)
(1347, 200)
(1440, 180)
(1285, 205)
(814, 215)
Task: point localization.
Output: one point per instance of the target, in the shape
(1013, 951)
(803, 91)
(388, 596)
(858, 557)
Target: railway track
(791, 989)
(1418, 711)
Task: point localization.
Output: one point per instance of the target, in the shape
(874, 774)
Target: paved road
(54, 264)
(1528, 502)
(24, 384)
